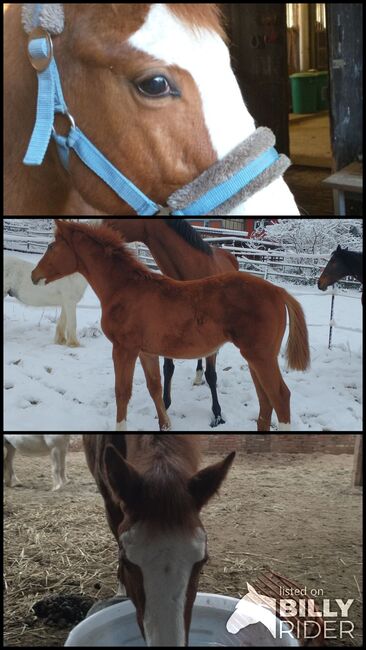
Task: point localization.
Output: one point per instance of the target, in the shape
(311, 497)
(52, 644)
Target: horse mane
(113, 243)
(344, 253)
(189, 234)
(166, 463)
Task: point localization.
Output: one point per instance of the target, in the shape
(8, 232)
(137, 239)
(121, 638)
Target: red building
(244, 225)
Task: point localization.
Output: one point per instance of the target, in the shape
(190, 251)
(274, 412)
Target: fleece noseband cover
(247, 151)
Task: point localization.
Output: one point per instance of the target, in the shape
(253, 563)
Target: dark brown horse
(182, 254)
(144, 311)
(153, 494)
(150, 86)
(342, 263)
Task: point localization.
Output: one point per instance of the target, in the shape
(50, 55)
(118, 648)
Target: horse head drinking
(153, 493)
(143, 109)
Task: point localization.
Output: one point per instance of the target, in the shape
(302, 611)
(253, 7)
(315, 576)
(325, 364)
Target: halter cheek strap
(243, 172)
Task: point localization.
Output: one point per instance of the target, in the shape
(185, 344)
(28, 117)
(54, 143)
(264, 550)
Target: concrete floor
(310, 153)
(310, 140)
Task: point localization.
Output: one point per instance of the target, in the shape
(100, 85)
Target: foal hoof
(217, 421)
(166, 426)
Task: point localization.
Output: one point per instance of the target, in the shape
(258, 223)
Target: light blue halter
(50, 101)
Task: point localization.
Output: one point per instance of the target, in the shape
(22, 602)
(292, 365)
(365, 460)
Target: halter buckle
(40, 63)
(163, 211)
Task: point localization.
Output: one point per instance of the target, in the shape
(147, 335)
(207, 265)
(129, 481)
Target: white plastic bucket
(117, 626)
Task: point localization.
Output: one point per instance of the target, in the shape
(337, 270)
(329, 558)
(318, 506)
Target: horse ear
(124, 481)
(338, 249)
(208, 481)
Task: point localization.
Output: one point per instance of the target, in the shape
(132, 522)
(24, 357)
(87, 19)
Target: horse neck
(103, 272)
(354, 263)
(174, 256)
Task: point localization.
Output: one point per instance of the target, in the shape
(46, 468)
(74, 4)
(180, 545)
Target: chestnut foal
(182, 254)
(144, 311)
(153, 494)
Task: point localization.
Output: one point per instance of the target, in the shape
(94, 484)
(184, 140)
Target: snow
(54, 388)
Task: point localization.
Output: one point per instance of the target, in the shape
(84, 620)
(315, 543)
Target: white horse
(64, 293)
(37, 444)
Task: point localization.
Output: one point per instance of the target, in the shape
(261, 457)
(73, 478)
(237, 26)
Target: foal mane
(189, 234)
(113, 243)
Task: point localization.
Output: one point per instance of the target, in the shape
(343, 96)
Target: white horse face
(161, 573)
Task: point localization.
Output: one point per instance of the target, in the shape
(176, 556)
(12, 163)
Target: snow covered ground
(52, 388)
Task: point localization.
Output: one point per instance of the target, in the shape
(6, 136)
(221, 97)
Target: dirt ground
(292, 513)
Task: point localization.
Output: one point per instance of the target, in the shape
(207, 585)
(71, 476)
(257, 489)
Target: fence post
(331, 322)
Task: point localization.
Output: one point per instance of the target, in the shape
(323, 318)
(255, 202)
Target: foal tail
(297, 350)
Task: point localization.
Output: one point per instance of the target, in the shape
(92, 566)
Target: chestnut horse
(342, 263)
(149, 85)
(148, 312)
(153, 494)
(182, 254)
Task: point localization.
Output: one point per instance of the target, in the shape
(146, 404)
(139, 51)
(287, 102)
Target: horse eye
(157, 86)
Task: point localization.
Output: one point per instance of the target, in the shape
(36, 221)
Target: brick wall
(265, 442)
(279, 443)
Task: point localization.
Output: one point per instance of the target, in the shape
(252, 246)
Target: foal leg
(265, 413)
(211, 378)
(60, 337)
(168, 374)
(270, 379)
(124, 367)
(150, 364)
(9, 474)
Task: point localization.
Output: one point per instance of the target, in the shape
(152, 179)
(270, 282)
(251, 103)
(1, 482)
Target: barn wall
(262, 443)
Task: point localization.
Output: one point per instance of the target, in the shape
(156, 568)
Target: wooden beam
(357, 462)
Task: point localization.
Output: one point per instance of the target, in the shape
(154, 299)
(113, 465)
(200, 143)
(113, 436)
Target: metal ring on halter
(69, 117)
(41, 63)
(163, 211)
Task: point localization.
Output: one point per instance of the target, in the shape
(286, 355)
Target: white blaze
(205, 56)
(166, 562)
